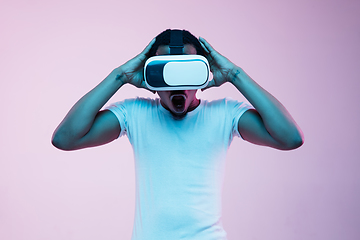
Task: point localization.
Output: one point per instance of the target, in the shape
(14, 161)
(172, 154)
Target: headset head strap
(176, 42)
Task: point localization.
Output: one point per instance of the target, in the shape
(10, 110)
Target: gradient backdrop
(305, 52)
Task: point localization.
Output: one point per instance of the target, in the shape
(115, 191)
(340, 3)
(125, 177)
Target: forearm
(277, 120)
(81, 116)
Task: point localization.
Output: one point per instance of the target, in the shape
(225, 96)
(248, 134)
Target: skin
(269, 124)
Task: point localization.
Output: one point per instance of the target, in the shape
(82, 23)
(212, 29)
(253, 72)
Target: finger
(212, 54)
(207, 45)
(143, 54)
(143, 85)
(207, 54)
(148, 47)
(204, 47)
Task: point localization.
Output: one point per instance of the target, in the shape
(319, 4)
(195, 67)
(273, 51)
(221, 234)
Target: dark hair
(164, 39)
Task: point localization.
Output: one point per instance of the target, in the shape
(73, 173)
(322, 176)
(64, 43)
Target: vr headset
(176, 71)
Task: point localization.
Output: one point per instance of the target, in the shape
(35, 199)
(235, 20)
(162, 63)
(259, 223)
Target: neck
(194, 104)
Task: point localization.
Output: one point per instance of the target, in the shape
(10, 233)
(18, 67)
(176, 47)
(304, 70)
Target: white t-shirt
(179, 166)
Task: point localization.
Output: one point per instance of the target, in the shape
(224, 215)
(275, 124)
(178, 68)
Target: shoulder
(214, 103)
(226, 104)
(135, 102)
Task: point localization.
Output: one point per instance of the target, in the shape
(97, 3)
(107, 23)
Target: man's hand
(133, 70)
(223, 69)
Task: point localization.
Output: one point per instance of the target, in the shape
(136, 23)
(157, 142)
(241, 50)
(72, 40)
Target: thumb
(143, 85)
(210, 85)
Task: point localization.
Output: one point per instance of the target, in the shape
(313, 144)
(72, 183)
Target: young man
(179, 141)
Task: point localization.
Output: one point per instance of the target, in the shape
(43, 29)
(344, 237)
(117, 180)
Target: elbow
(60, 142)
(296, 141)
(55, 141)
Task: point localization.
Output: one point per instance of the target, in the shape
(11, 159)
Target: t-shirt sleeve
(120, 111)
(237, 109)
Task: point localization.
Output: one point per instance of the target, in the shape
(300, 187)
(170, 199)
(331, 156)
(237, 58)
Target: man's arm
(85, 125)
(270, 124)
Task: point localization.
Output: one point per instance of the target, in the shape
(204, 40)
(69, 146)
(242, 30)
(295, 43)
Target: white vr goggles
(174, 71)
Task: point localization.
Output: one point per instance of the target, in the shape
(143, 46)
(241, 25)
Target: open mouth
(178, 101)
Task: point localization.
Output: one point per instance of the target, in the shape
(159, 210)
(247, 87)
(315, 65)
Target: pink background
(306, 53)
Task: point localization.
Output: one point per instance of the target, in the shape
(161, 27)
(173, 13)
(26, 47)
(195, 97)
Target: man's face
(178, 102)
